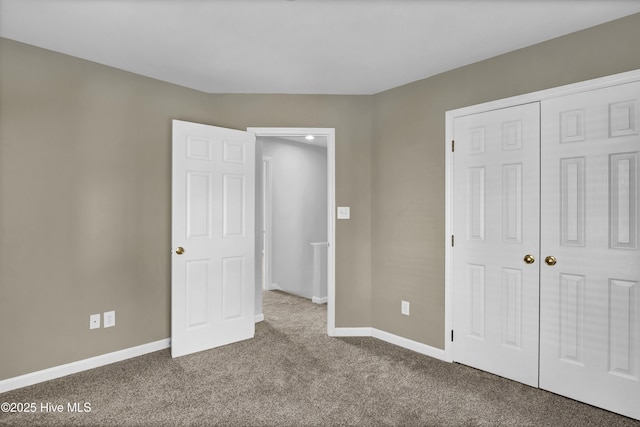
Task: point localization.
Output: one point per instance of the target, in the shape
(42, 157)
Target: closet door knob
(529, 259)
(550, 260)
(180, 250)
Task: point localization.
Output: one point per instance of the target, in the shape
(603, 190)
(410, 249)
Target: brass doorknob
(550, 260)
(180, 250)
(529, 259)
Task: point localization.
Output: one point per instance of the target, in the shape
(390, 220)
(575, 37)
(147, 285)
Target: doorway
(295, 134)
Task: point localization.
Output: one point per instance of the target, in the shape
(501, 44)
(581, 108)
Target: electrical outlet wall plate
(109, 319)
(404, 308)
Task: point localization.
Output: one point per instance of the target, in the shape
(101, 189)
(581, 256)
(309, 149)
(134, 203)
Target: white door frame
(450, 116)
(330, 134)
(266, 214)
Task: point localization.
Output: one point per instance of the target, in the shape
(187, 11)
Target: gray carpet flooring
(292, 374)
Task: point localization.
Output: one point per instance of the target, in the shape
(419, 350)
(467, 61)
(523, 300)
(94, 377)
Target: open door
(212, 265)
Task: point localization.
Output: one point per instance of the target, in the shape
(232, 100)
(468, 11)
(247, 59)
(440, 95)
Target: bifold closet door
(590, 266)
(496, 228)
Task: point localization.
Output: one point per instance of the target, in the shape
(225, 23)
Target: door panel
(496, 223)
(589, 302)
(212, 289)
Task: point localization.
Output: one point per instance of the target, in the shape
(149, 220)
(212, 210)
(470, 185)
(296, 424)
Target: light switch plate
(344, 212)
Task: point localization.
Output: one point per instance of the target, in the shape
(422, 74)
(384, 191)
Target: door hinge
(453, 240)
(452, 335)
(453, 145)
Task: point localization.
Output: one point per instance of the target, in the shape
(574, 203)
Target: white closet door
(590, 299)
(496, 224)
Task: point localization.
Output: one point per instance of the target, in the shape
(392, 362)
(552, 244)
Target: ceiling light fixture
(309, 137)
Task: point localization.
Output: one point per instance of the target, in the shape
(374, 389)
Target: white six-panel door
(496, 219)
(590, 298)
(212, 277)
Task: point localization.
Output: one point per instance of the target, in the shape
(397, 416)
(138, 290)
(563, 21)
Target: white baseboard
(275, 287)
(81, 365)
(258, 317)
(352, 332)
(418, 347)
(319, 300)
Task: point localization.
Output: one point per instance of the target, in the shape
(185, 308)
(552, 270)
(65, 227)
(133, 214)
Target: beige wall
(85, 189)
(408, 161)
(85, 172)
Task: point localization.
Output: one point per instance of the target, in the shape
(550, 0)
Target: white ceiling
(303, 46)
